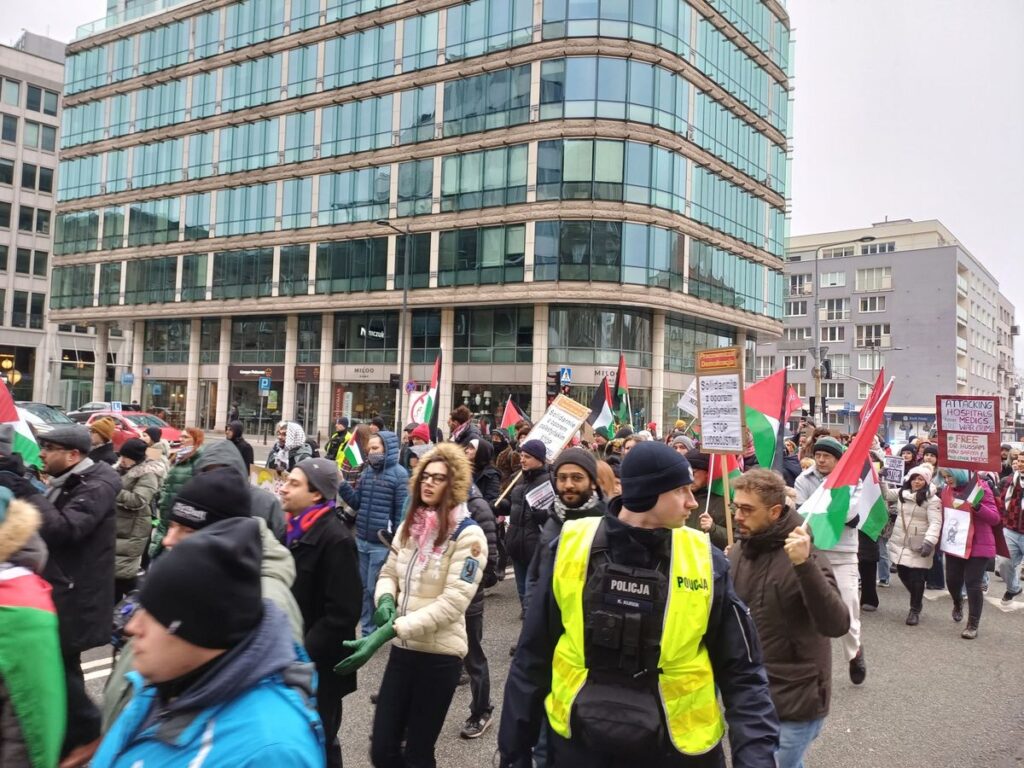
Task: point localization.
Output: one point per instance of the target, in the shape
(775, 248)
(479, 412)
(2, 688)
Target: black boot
(972, 630)
(958, 611)
(913, 617)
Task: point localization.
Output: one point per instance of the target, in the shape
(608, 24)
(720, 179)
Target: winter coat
(524, 523)
(791, 468)
(139, 486)
(552, 529)
(470, 431)
(79, 530)
(983, 541)
(915, 523)
(481, 513)
(253, 708)
(379, 497)
(329, 591)
(181, 472)
(295, 455)
(848, 544)
(277, 573)
(104, 453)
(796, 609)
(1012, 493)
(262, 504)
(432, 605)
(241, 444)
(719, 533)
(334, 443)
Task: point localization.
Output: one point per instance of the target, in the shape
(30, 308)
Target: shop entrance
(306, 394)
(206, 417)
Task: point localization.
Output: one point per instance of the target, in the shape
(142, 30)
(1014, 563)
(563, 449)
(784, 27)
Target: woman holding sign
(969, 514)
(915, 536)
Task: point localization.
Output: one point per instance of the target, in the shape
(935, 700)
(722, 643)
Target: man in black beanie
(218, 679)
(710, 513)
(632, 632)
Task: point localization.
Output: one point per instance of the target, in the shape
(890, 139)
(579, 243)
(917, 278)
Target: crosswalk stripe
(99, 674)
(107, 662)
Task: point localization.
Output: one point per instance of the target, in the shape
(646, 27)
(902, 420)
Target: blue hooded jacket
(253, 708)
(379, 496)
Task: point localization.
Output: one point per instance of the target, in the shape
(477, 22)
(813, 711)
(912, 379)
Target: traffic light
(824, 409)
(812, 401)
(552, 387)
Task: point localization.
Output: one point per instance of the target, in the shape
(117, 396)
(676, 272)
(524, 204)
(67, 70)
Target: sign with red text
(720, 399)
(968, 432)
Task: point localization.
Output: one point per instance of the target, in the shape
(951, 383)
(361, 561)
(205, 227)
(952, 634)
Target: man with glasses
(795, 604)
(79, 532)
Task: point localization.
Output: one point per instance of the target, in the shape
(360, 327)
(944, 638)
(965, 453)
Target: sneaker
(884, 584)
(475, 728)
(868, 608)
(858, 668)
(1008, 596)
(958, 612)
(913, 618)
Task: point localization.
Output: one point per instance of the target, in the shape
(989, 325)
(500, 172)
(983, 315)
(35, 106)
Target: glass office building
(560, 180)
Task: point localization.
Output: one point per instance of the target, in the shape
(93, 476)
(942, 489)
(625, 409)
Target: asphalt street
(931, 699)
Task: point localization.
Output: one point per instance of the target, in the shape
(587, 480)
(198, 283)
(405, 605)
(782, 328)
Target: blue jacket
(253, 708)
(379, 497)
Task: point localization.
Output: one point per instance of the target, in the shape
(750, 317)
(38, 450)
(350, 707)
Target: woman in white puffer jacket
(431, 577)
(915, 535)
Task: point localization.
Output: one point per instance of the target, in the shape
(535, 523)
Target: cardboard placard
(268, 479)
(688, 401)
(720, 399)
(558, 425)
(895, 469)
(968, 432)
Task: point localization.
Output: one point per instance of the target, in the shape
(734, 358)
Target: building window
(352, 265)
(832, 279)
(491, 100)
(149, 281)
(110, 284)
(209, 340)
(417, 114)
(800, 285)
(797, 334)
(308, 346)
(684, 336)
(796, 308)
(484, 26)
(244, 274)
(872, 304)
(162, 105)
(493, 177)
(869, 248)
(294, 271)
(39, 263)
(837, 253)
(200, 155)
(764, 366)
(163, 47)
(864, 391)
(494, 335)
(359, 126)
(298, 136)
(795, 362)
(246, 210)
(343, 9)
(251, 83)
(248, 146)
(366, 337)
(193, 276)
(302, 70)
(4, 250)
(297, 203)
(871, 361)
(6, 172)
(667, 25)
(592, 335)
(415, 187)
(875, 335)
(836, 309)
(9, 128)
(353, 196)
(481, 256)
(874, 279)
(10, 92)
(425, 338)
(419, 261)
(360, 56)
(5, 215)
(840, 364)
(23, 261)
(157, 163)
(252, 21)
(72, 286)
(258, 339)
(166, 341)
(833, 390)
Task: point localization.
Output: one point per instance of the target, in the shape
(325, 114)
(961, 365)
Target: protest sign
(558, 425)
(895, 468)
(968, 432)
(720, 399)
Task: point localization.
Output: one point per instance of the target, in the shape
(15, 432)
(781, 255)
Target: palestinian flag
(976, 495)
(835, 502)
(871, 507)
(424, 406)
(766, 405)
(353, 456)
(621, 409)
(872, 398)
(34, 678)
(722, 464)
(510, 418)
(601, 406)
(24, 440)
(793, 402)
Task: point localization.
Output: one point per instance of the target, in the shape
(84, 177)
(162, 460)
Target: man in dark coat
(337, 438)
(710, 513)
(796, 606)
(234, 434)
(101, 433)
(79, 531)
(327, 585)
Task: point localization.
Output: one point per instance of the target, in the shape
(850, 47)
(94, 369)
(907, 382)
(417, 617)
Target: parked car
(82, 414)
(133, 423)
(40, 417)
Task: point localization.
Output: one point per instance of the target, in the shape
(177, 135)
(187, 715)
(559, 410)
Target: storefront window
(639, 401)
(166, 341)
(257, 340)
(494, 335)
(364, 401)
(487, 401)
(165, 399)
(366, 337)
(596, 336)
(426, 335)
(684, 336)
(309, 339)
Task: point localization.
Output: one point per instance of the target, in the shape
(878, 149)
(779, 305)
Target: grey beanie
(322, 475)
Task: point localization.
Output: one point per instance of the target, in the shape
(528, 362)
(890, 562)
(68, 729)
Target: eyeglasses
(434, 477)
(746, 509)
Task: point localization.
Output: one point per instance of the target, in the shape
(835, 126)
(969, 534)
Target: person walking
(141, 478)
(486, 476)
(183, 466)
(234, 433)
(915, 535)
(968, 572)
(795, 604)
(291, 447)
(422, 595)
(461, 427)
(710, 513)
(337, 439)
(79, 532)
(219, 682)
(633, 632)
(101, 432)
(524, 523)
(1013, 532)
(327, 589)
(378, 500)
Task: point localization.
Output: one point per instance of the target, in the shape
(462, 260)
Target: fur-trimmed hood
(21, 522)
(461, 471)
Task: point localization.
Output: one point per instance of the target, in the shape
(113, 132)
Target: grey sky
(904, 108)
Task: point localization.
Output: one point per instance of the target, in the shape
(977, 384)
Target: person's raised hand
(798, 546)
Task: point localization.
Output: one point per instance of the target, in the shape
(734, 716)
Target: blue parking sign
(264, 384)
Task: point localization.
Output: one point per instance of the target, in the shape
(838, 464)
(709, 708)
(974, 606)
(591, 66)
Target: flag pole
(728, 512)
(711, 475)
(504, 493)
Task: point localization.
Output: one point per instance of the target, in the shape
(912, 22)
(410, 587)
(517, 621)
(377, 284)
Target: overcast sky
(903, 108)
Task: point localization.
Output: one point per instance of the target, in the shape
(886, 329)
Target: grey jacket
(134, 516)
(262, 504)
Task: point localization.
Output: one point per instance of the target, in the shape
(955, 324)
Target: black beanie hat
(211, 496)
(649, 470)
(535, 448)
(155, 433)
(133, 449)
(698, 460)
(581, 458)
(930, 448)
(207, 589)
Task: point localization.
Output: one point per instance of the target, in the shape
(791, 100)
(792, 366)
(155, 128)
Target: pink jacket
(984, 518)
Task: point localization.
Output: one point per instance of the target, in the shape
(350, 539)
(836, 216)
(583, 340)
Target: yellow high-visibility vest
(686, 683)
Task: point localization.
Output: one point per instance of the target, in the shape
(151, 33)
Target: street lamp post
(816, 350)
(405, 329)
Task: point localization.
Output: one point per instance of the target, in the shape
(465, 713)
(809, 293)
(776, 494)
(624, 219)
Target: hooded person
(262, 504)
(33, 709)
(211, 496)
(141, 478)
(234, 434)
(218, 679)
(486, 476)
(291, 447)
(378, 500)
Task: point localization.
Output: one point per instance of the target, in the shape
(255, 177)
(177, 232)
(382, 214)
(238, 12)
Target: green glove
(385, 610)
(364, 648)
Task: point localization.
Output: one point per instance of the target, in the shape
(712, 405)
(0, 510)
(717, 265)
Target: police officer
(633, 628)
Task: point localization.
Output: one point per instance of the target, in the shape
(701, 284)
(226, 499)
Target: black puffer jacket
(481, 512)
(524, 522)
(79, 530)
(486, 477)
